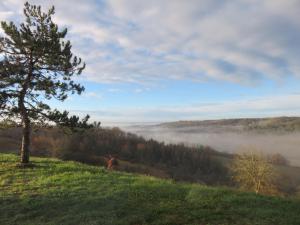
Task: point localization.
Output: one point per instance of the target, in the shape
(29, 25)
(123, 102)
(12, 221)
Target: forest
(93, 146)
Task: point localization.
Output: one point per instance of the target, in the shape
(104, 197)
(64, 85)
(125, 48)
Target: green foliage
(36, 64)
(74, 123)
(70, 193)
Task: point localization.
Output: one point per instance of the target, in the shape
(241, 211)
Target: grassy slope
(56, 192)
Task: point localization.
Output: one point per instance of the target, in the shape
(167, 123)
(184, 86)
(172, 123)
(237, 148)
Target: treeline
(199, 164)
(195, 164)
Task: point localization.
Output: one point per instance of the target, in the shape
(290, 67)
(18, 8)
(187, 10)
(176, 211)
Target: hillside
(57, 192)
(134, 153)
(275, 124)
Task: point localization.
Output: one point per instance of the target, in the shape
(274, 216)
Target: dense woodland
(197, 164)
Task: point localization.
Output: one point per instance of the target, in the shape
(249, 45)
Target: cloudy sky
(164, 60)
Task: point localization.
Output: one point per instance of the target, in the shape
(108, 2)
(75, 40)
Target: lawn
(68, 193)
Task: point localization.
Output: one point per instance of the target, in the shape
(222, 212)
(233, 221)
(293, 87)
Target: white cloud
(239, 41)
(5, 15)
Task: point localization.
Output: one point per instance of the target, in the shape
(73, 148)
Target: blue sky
(165, 60)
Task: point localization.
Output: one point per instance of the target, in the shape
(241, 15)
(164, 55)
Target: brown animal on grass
(111, 162)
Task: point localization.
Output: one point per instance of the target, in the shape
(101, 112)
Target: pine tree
(36, 65)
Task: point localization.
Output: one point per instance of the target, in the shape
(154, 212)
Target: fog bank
(226, 139)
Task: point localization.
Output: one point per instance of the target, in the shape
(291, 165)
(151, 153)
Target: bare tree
(252, 172)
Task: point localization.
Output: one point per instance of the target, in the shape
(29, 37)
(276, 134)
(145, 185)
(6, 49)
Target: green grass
(62, 193)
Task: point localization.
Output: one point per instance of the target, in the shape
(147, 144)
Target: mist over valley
(268, 135)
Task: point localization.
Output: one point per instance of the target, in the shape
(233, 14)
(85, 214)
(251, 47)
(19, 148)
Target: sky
(167, 60)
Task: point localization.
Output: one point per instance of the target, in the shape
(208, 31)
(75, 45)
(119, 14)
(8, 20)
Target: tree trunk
(257, 189)
(25, 147)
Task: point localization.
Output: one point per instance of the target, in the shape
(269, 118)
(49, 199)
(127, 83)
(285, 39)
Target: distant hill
(278, 124)
(56, 192)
